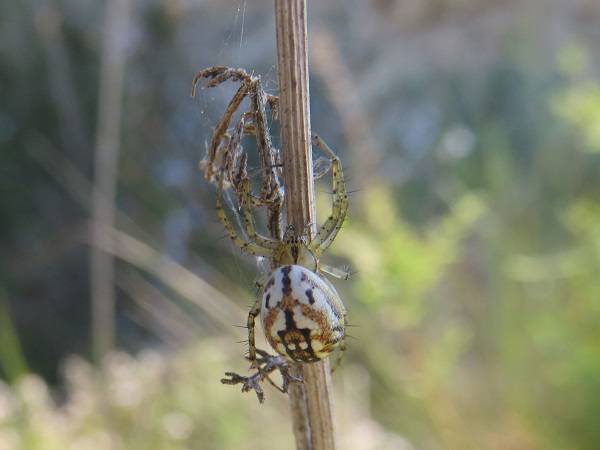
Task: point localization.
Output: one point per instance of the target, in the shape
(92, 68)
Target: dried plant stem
(310, 402)
(105, 177)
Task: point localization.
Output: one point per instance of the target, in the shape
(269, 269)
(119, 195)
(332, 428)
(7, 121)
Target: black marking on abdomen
(294, 335)
(290, 323)
(309, 294)
(286, 280)
(267, 298)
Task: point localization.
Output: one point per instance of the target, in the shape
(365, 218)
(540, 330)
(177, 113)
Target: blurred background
(470, 131)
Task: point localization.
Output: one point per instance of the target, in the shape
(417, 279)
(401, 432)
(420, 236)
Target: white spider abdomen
(302, 315)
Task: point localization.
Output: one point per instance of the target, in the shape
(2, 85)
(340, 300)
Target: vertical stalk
(312, 401)
(106, 170)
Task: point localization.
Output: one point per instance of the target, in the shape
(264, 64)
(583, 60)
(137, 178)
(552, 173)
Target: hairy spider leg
(248, 219)
(341, 352)
(333, 224)
(254, 311)
(247, 246)
(336, 272)
(282, 389)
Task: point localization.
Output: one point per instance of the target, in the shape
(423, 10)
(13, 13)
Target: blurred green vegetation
(475, 230)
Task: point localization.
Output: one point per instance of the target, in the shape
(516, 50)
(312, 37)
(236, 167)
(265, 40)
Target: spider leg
(276, 386)
(333, 224)
(336, 272)
(254, 311)
(342, 351)
(247, 246)
(249, 225)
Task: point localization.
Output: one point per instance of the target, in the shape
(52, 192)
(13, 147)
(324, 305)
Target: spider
(302, 315)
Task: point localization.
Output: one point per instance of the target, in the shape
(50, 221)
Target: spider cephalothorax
(302, 315)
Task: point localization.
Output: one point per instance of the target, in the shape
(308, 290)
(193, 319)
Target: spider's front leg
(333, 224)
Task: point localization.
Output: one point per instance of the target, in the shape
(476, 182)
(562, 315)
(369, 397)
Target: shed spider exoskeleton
(302, 315)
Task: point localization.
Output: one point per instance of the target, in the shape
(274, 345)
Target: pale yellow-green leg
(333, 224)
(342, 351)
(247, 247)
(335, 272)
(249, 225)
(342, 348)
(254, 311)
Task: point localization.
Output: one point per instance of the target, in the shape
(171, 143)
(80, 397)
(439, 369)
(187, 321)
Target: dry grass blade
(215, 304)
(108, 137)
